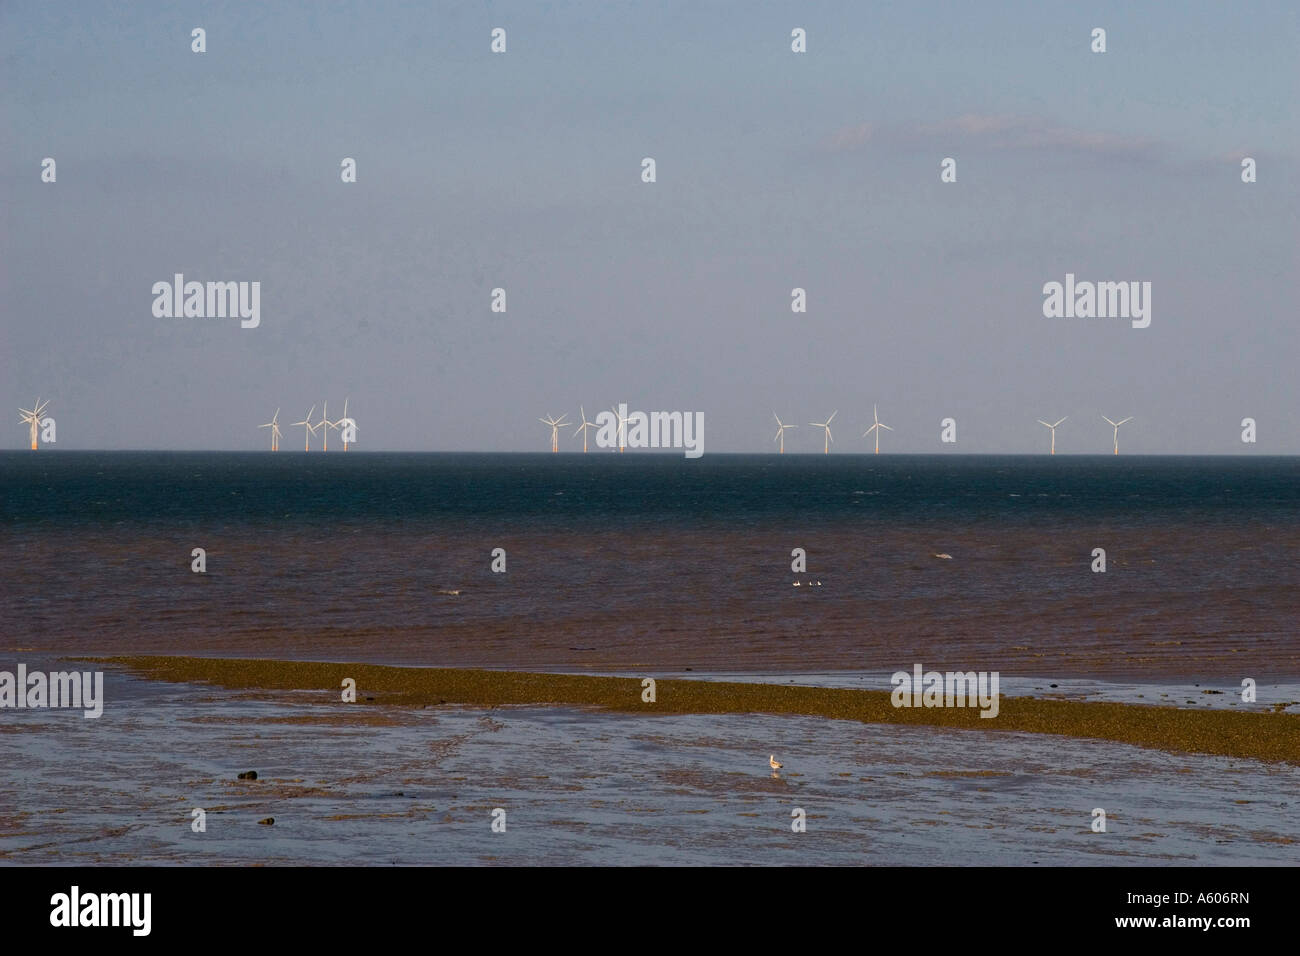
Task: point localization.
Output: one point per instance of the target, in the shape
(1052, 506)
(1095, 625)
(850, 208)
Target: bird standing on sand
(773, 762)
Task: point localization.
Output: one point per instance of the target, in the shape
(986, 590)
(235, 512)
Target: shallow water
(365, 784)
(623, 561)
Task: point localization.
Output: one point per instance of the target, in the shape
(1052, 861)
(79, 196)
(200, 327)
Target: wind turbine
(32, 416)
(876, 428)
(583, 427)
(827, 425)
(274, 425)
(311, 430)
(555, 424)
(622, 429)
(340, 424)
(1117, 424)
(325, 424)
(1053, 428)
(780, 431)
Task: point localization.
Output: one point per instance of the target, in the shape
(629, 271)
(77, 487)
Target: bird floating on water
(773, 762)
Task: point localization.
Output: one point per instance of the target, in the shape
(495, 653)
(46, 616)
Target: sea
(613, 561)
(832, 570)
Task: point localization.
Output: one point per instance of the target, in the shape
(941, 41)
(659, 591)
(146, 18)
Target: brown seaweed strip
(1257, 735)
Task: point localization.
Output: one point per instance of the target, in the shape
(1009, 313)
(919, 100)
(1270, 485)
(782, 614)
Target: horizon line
(659, 452)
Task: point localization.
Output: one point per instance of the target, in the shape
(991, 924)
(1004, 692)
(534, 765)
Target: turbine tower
(827, 425)
(555, 424)
(1117, 424)
(622, 429)
(311, 430)
(1053, 428)
(342, 422)
(780, 432)
(876, 428)
(583, 428)
(32, 416)
(325, 424)
(274, 425)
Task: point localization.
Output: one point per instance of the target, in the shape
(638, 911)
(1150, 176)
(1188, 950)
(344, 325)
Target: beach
(408, 779)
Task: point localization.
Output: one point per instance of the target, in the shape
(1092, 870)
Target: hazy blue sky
(775, 170)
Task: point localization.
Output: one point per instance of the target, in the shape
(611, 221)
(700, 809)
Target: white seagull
(773, 762)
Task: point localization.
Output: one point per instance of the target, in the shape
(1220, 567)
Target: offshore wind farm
(611, 428)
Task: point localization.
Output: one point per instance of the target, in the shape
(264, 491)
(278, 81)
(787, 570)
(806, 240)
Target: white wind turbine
(827, 425)
(876, 428)
(341, 424)
(780, 431)
(622, 428)
(325, 424)
(311, 430)
(32, 416)
(1117, 424)
(1053, 428)
(583, 428)
(274, 425)
(555, 424)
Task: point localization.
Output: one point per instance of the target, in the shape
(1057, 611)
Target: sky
(523, 170)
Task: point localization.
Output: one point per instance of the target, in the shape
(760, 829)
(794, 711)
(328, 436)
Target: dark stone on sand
(248, 775)
(267, 822)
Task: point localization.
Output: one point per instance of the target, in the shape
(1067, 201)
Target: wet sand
(1259, 735)
(351, 785)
